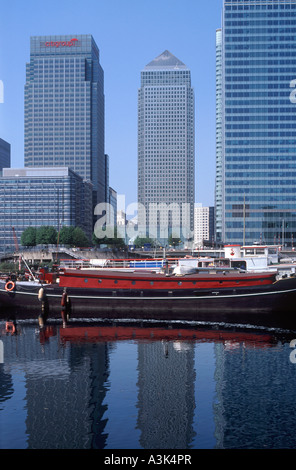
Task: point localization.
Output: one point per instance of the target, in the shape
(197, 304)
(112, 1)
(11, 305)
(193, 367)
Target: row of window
(261, 46)
(261, 31)
(272, 237)
(254, 110)
(260, 134)
(266, 102)
(259, 94)
(263, 22)
(255, 77)
(261, 10)
(258, 150)
(248, 13)
(254, 202)
(260, 126)
(262, 53)
(265, 182)
(256, 118)
(264, 142)
(256, 174)
(263, 190)
(264, 166)
(262, 62)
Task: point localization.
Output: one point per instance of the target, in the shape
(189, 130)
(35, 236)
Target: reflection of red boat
(214, 297)
(95, 334)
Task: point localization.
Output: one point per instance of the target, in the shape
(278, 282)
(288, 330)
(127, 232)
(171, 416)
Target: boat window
(99, 281)
(272, 251)
(133, 283)
(115, 282)
(179, 283)
(151, 283)
(85, 280)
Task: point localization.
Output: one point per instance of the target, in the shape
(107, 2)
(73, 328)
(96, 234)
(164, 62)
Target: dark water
(97, 386)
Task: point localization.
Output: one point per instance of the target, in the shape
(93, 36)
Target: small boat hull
(269, 305)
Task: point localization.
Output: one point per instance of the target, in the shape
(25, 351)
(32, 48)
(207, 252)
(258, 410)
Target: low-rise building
(33, 197)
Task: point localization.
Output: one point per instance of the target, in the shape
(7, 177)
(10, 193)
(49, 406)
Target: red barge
(230, 296)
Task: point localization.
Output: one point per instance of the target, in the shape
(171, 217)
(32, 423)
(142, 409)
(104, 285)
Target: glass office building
(33, 197)
(256, 122)
(166, 154)
(4, 154)
(64, 108)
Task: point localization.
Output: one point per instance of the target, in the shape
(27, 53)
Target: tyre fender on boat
(9, 286)
(9, 327)
(64, 299)
(41, 294)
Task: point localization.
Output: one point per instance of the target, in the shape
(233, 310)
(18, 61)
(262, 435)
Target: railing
(70, 253)
(157, 263)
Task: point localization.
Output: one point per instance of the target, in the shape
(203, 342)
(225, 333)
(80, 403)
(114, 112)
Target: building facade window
(255, 147)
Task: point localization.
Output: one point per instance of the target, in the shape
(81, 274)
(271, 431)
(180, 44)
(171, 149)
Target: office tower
(219, 151)
(4, 154)
(165, 147)
(112, 216)
(255, 192)
(64, 108)
(32, 197)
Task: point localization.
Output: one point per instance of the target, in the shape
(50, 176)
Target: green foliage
(141, 241)
(28, 237)
(116, 242)
(79, 238)
(173, 240)
(7, 267)
(46, 235)
(66, 235)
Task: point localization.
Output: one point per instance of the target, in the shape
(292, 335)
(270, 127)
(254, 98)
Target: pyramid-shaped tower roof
(164, 60)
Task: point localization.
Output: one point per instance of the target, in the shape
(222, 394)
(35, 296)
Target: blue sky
(129, 34)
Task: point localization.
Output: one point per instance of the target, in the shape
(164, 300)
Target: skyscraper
(219, 151)
(4, 154)
(64, 108)
(165, 145)
(256, 141)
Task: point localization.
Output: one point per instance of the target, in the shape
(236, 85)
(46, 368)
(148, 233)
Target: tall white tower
(166, 153)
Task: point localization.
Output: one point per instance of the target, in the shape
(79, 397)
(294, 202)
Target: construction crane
(15, 239)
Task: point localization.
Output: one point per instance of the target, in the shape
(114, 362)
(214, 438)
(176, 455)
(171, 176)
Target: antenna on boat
(30, 271)
(244, 214)
(166, 263)
(21, 256)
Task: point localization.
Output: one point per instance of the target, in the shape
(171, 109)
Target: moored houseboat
(227, 296)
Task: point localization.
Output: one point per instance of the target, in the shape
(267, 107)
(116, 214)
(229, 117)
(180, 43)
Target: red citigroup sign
(72, 42)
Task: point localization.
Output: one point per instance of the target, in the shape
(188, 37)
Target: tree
(115, 241)
(46, 235)
(79, 238)
(141, 241)
(28, 237)
(66, 235)
(173, 240)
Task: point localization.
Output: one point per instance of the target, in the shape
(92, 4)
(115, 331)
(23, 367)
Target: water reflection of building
(255, 405)
(65, 390)
(6, 385)
(166, 395)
